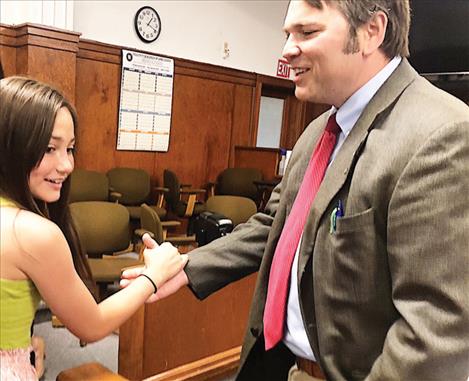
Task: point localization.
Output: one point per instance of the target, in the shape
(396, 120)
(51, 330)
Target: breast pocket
(358, 257)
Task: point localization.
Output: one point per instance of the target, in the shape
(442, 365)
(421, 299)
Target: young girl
(40, 253)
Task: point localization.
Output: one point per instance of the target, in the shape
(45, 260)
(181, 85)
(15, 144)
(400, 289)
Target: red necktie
(274, 313)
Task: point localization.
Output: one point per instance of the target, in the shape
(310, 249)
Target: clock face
(147, 24)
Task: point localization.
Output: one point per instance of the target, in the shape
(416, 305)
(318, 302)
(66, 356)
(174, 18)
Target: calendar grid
(145, 102)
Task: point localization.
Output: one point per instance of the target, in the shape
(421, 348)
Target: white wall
(58, 13)
(194, 29)
(191, 29)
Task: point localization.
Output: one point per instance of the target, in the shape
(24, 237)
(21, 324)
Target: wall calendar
(145, 102)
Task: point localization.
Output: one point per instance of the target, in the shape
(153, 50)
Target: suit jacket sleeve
(234, 256)
(428, 251)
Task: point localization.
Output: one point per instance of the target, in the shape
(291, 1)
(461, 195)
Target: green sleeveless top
(18, 303)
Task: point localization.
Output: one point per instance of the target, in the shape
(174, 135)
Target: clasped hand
(166, 288)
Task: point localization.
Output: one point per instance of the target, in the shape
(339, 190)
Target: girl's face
(45, 181)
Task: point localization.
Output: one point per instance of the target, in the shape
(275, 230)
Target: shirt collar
(350, 111)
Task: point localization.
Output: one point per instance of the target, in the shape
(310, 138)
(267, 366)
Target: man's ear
(373, 33)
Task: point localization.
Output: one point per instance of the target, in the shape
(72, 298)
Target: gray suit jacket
(385, 297)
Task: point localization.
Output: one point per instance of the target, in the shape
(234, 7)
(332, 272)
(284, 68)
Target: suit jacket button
(255, 331)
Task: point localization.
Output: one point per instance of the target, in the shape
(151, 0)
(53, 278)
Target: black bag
(209, 226)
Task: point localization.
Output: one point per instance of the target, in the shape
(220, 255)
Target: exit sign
(283, 69)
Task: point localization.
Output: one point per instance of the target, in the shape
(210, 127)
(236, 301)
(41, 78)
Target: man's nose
(290, 49)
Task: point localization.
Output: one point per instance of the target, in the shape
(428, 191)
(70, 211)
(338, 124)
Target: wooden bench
(92, 371)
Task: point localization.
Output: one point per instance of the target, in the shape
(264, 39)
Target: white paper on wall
(145, 102)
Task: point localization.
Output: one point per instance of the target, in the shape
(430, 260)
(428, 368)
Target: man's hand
(167, 289)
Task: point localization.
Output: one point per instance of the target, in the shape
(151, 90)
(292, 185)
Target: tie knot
(332, 125)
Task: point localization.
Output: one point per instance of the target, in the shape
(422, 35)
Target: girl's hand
(161, 262)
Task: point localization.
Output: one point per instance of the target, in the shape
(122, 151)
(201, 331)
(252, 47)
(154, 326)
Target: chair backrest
(237, 209)
(238, 182)
(102, 227)
(171, 182)
(150, 221)
(132, 183)
(88, 186)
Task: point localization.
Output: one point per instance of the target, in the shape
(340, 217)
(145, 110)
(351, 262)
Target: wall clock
(147, 24)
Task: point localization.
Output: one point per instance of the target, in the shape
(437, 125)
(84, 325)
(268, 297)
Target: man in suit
(378, 273)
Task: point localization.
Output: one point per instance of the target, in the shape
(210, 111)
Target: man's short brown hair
(359, 12)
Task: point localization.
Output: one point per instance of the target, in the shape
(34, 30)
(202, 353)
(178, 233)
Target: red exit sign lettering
(283, 69)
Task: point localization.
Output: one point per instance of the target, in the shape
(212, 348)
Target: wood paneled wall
(45, 53)
(180, 330)
(214, 108)
(210, 114)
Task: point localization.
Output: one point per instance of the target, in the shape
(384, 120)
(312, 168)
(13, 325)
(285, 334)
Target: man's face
(316, 41)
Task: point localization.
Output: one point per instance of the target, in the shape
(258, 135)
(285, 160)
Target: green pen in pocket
(333, 221)
(338, 212)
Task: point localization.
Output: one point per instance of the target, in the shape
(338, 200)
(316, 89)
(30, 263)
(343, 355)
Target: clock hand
(152, 28)
(148, 23)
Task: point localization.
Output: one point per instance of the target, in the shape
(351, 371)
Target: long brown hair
(28, 109)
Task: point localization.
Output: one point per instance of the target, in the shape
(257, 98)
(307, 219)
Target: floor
(63, 349)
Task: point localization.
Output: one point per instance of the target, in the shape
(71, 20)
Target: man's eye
(287, 35)
(307, 32)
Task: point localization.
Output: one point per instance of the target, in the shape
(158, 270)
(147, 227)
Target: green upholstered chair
(237, 209)
(103, 231)
(151, 223)
(135, 186)
(181, 199)
(238, 182)
(86, 185)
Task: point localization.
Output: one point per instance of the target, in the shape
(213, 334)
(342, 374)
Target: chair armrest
(160, 192)
(115, 196)
(191, 195)
(170, 224)
(193, 191)
(181, 239)
(141, 232)
(211, 189)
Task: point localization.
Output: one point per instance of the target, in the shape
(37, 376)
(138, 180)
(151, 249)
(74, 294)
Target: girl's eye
(71, 150)
(50, 149)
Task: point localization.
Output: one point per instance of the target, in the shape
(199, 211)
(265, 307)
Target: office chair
(134, 185)
(237, 182)
(103, 231)
(181, 199)
(237, 209)
(158, 230)
(88, 185)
